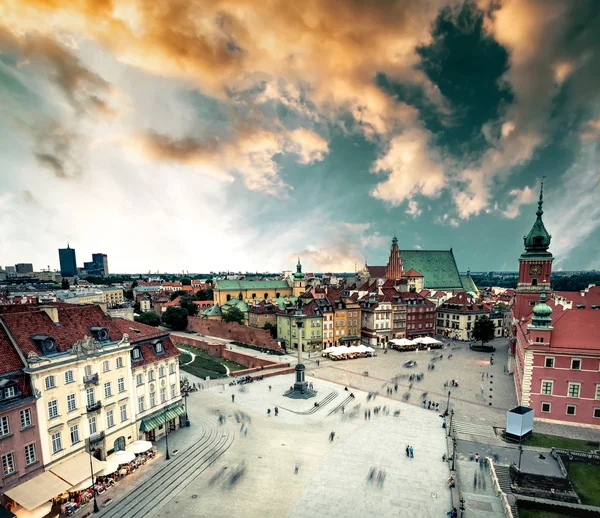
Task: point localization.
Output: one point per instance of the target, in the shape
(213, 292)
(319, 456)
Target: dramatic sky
(237, 134)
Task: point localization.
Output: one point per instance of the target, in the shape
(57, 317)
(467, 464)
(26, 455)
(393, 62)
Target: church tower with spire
(535, 265)
(394, 269)
(299, 281)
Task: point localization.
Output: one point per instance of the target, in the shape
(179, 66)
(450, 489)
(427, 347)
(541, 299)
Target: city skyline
(242, 138)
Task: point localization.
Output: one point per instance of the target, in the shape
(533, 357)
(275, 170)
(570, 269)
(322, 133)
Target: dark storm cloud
(58, 150)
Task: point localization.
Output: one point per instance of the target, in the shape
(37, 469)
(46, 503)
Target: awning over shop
(77, 468)
(158, 418)
(349, 338)
(38, 490)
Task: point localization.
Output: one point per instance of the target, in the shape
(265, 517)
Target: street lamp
(96, 508)
(187, 421)
(168, 457)
(453, 453)
(448, 403)
(520, 454)
(450, 428)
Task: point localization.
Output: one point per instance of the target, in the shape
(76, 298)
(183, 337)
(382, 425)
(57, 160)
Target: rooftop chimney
(52, 312)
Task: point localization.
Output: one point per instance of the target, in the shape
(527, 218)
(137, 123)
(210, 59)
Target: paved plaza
(332, 476)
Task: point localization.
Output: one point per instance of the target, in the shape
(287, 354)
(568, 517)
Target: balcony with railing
(91, 379)
(94, 407)
(96, 437)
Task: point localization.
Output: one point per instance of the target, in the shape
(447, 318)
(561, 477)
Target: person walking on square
(412, 452)
(369, 413)
(269, 412)
(276, 411)
(424, 403)
(296, 468)
(332, 436)
(232, 398)
(269, 388)
(365, 415)
(408, 451)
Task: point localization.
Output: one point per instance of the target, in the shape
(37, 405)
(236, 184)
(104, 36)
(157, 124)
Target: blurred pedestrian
(232, 398)
(412, 452)
(296, 468)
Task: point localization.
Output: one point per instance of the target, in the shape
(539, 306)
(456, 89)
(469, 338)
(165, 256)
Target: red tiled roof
(148, 354)
(412, 273)
(425, 293)
(439, 294)
(74, 323)
(589, 297)
(264, 307)
(377, 271)
(174, 284)
(187, 288)
(10, 359)
(466, 304)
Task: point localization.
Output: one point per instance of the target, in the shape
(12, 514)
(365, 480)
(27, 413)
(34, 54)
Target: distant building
(24, 268)
(68, 261)
(11, 269)
(100, 263)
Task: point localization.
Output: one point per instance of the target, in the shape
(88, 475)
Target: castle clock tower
(535, 266)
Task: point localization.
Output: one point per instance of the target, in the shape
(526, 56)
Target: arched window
(228, 298)
(266, 296)
(277, 295)
(119, 444)
(254, 295)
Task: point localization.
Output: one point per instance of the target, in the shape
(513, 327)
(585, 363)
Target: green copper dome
(542, 313)
(537, 241)
(298, 275)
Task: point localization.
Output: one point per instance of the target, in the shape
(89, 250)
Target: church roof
(412, 273)
(468, 283)
(250, 285)
(438, 268)
(377, 271)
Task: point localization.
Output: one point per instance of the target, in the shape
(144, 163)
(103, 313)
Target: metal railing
(92, 378)
(94, 407)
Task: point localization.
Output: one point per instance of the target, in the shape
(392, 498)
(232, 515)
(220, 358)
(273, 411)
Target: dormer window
(158, 347)
(45, 343)
(10, 392)
(100, 333)
(136, 354)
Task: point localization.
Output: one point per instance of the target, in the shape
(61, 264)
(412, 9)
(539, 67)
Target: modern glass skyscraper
(68, 262)
(100, 264)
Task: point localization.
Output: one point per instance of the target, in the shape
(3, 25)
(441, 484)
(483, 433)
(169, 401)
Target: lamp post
(187, 421)
(96, 508)
(168, 457)
(448, 403)
(450, 427)
(520, 454)
(453, 453)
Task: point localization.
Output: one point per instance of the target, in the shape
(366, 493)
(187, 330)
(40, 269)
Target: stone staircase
(344, 403)
(503, 474)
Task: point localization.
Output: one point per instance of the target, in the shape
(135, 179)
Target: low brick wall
(219, 350)
(212, 348)
(267, 373)
(234, 331)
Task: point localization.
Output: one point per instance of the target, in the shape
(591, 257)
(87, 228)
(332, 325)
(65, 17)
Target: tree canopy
(178, 293)
(187, 303)
(204, 294)
(149, 318)
(176, 318)
(186, 281)
(483, 329)
(233, 315)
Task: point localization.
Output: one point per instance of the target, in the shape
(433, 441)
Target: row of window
(139, 378)
(575, 363)
(163, 398)
(74, 434)
(25, 418)
(569, 409)
(8, 461)
(51, 382)
(421, 326)
(574, 389)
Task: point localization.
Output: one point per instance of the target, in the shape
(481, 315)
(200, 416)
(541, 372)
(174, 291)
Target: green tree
(128, 294)
(64, 284)
(186, 281)
(134, 284)
(176, 318)
(483, 329)
(149, 318)
(186, 303)
(233, 314)
(204, 294)
(178, 293)
(137, 307)
(271, 328)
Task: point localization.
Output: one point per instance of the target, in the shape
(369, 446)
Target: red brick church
(555, 341)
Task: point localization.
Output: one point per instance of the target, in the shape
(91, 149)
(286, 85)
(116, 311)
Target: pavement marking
(473, 429)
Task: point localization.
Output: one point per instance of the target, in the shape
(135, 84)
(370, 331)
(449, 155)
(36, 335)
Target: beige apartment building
(83, 367)
(112, 296)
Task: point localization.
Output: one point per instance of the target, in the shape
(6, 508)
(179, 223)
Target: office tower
(24, 268)
(68, 262)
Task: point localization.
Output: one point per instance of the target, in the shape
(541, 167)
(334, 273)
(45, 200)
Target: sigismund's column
(300, 385)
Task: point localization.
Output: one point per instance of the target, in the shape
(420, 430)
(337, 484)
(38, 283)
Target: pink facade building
(555, 343)
(20, 451)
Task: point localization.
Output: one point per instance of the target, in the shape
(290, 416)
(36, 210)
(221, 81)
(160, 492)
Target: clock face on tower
(535, 269)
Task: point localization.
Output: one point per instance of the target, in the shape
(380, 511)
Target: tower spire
(538, 240)
(541, 200)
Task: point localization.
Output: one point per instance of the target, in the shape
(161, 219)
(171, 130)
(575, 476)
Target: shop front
(162, 421)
